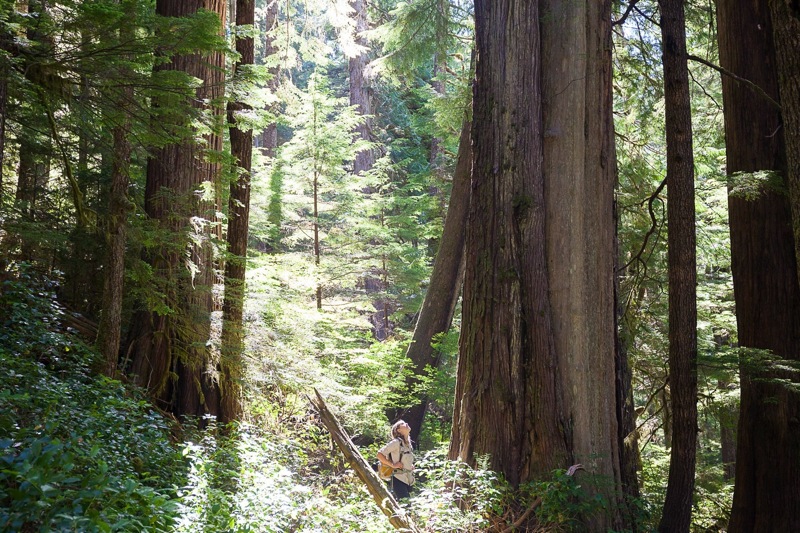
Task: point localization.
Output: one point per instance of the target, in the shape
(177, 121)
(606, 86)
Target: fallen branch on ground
(397, 515)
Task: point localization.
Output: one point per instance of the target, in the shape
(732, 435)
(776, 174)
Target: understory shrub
(78, 452)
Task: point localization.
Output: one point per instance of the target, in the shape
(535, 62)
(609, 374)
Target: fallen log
(398, 516)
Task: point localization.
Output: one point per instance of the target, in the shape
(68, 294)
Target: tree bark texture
(682, 268)
(579, 175)
(536, 376)
(441, 298)
(360, 89)
(767, 492)
(506, 391)
(110, 325)
(231, 362)
(169, 353)
(786, 36)
(268, 142)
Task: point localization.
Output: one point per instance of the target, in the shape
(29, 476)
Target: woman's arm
(383, 459)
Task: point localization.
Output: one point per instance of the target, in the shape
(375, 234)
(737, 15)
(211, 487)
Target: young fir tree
(323, 142)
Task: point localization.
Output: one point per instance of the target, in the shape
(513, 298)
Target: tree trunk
(231, 367)
(627, 432)
(109, 329)
(727, 435)
(437, 149)
(316, 233)
(766, 494)
(110, 326)
(3, 114)
(580, 174)
(785, 16)
(682, 260)
(35, 144)
(536, 376)
(269, 137)
(360, 89)
(169, 353)
(506, 368)
(439, 305)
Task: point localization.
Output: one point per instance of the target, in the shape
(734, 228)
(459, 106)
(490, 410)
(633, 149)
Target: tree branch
(398, 517)
(652, 229)
(624, 16)
(761, 92)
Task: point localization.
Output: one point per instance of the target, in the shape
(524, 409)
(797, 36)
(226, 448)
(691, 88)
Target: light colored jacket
(396, 450)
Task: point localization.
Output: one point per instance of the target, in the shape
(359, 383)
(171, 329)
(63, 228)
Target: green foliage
(272, 481)
(437, 385)
(752, 185)
(77, 452)
(453, 497)
(564, 502)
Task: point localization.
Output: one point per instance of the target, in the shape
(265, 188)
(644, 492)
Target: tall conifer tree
(536, 372)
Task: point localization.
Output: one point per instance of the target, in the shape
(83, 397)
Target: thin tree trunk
(627, 432)
(727, 436)
(439, 305)
(109, 329)
(231, 364)
(110, 326)
(269, 137)
(437, 149)
(34, 145)
(682, 260)
(3, 114)
(316, 235)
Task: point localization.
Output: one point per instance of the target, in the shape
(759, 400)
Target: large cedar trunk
(786, 36)
(169, 350)
(767, 493)
(536, 376)
(506, 401)
(231, 362)
(441, 298)
(580, 175)
(682, 260)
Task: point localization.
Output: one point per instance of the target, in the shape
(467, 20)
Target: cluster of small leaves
(77, 452)
(452, 496)
(565, 503)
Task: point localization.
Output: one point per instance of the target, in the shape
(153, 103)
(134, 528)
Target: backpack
(385, 472)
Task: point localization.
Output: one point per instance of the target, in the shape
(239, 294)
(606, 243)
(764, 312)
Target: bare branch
(761, 92)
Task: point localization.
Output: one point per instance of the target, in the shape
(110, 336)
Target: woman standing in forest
(398, 454)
